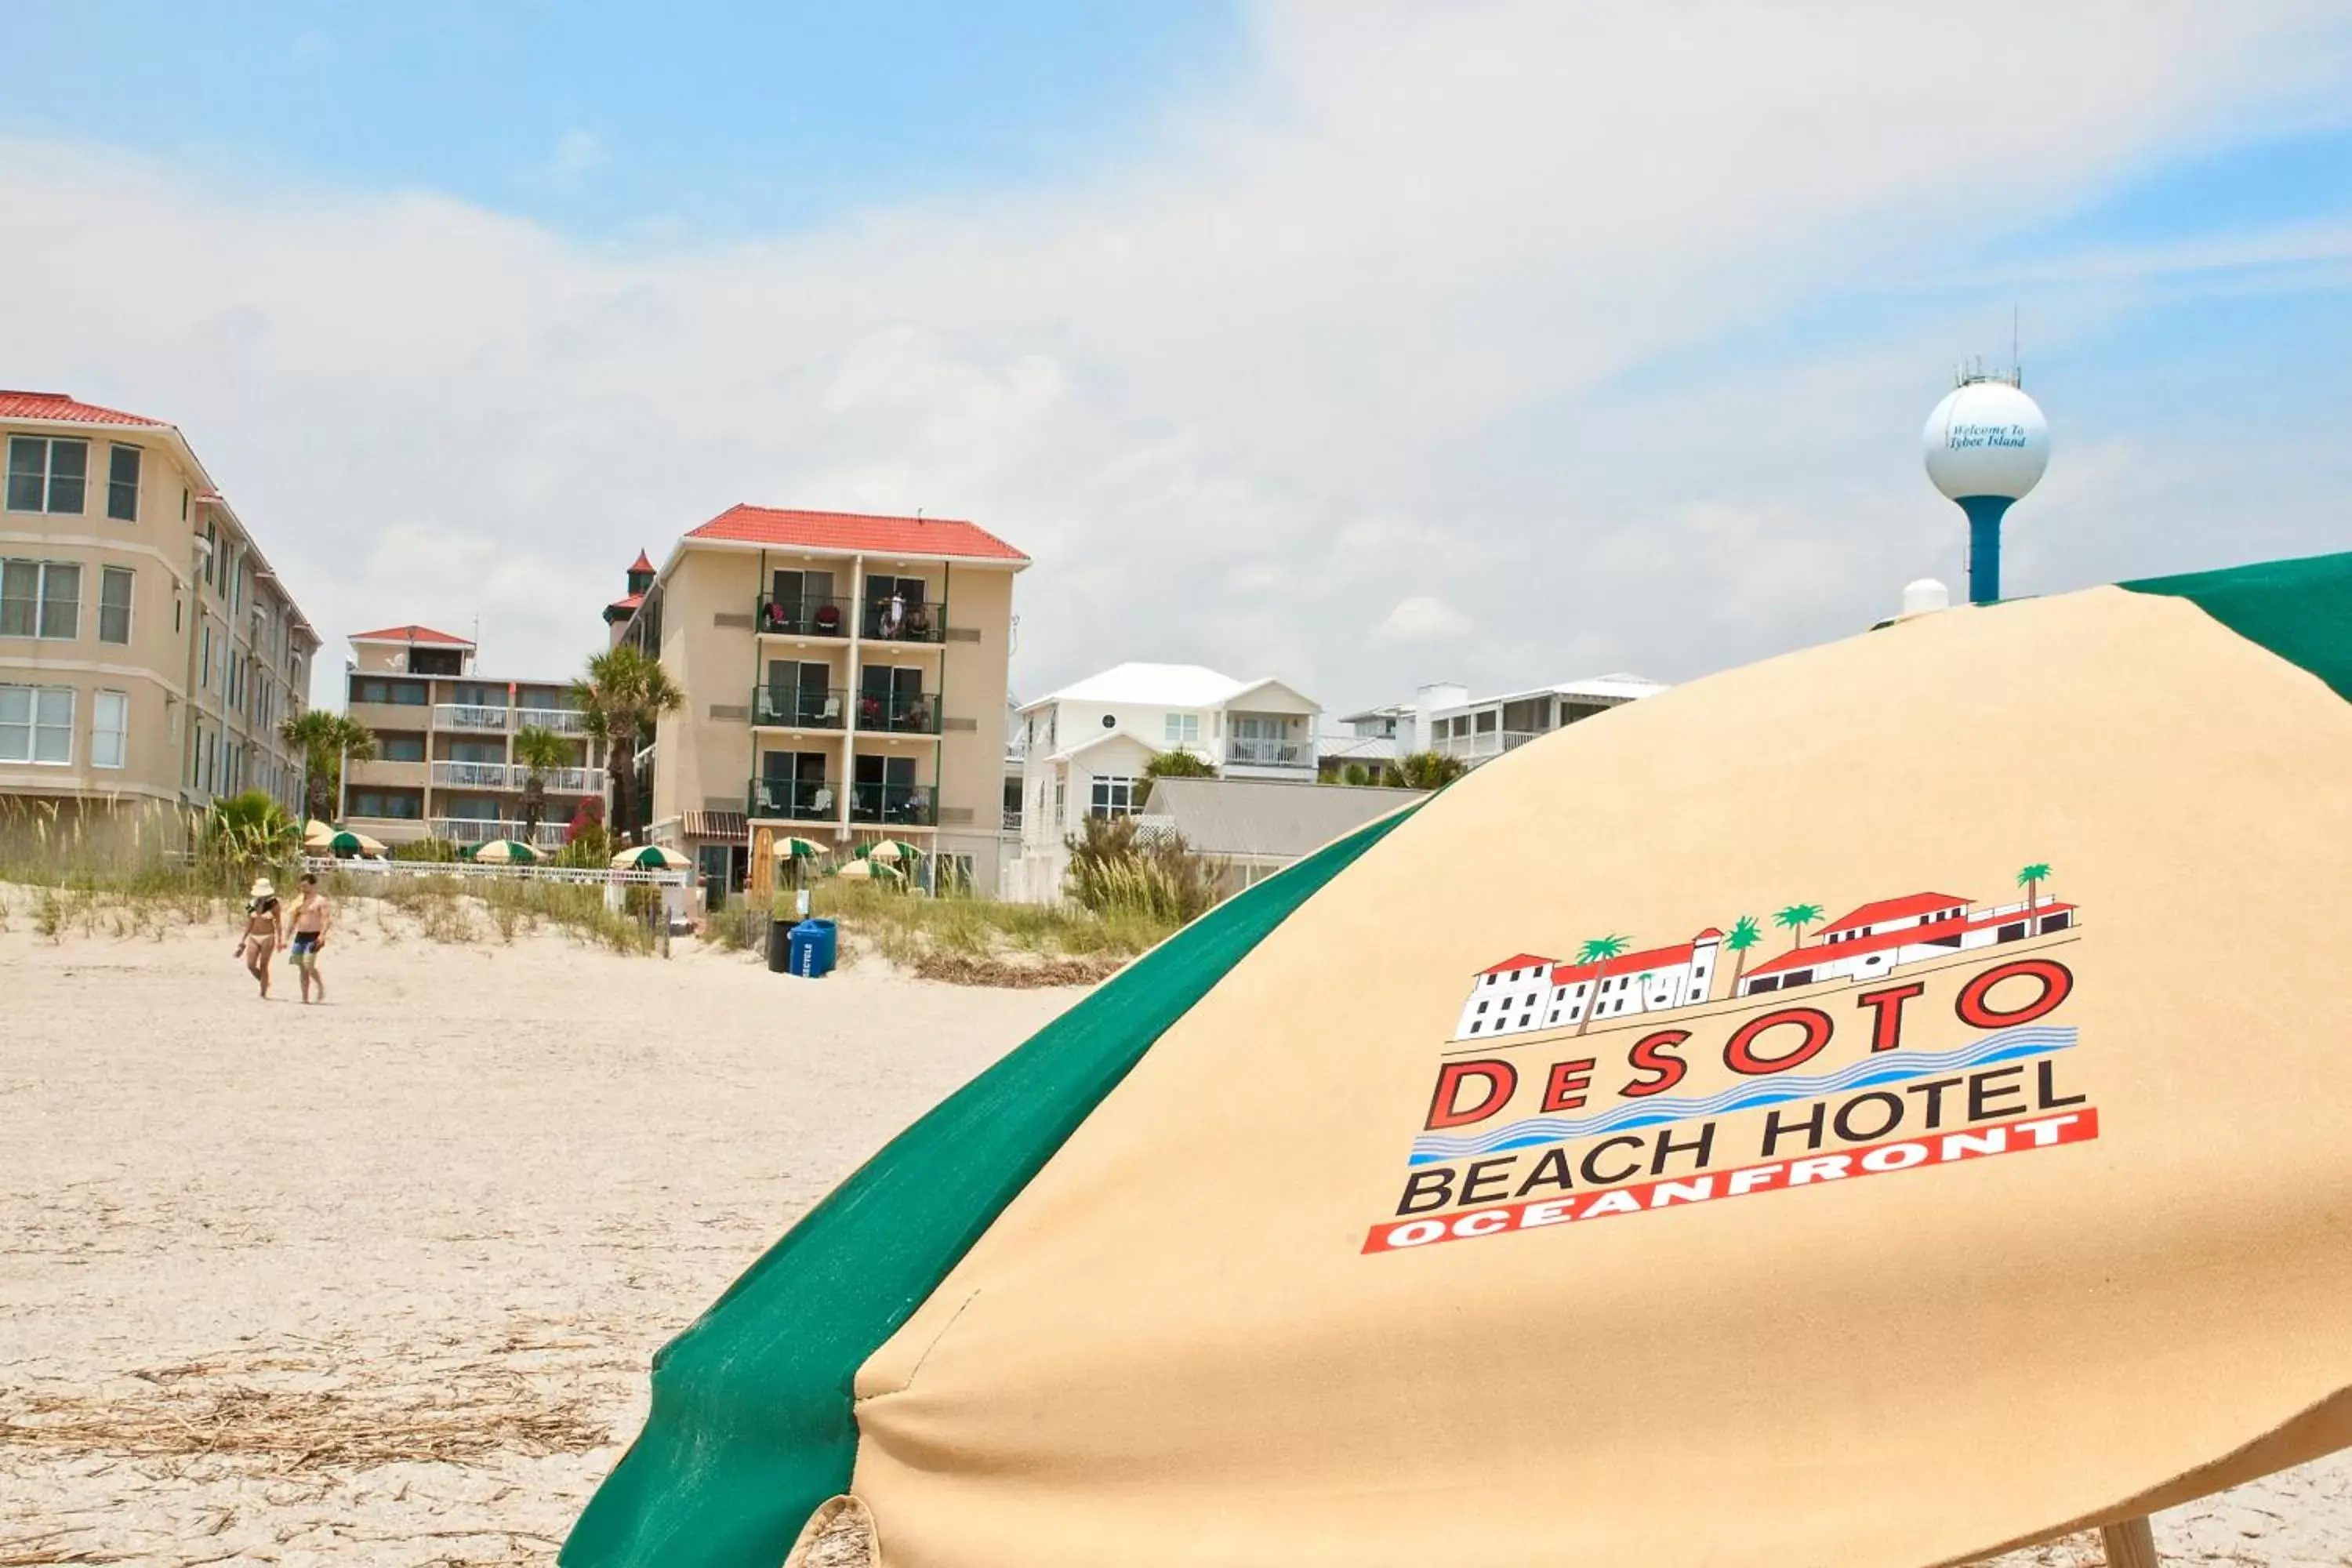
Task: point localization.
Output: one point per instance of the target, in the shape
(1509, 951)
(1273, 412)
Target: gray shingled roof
(1257, 818)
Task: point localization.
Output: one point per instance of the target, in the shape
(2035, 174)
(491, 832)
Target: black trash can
(780, 935)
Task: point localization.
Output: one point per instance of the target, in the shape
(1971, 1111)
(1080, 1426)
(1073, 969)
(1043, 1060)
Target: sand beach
(377, 1282)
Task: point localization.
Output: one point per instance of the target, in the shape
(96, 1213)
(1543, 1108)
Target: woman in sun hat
(265, 928)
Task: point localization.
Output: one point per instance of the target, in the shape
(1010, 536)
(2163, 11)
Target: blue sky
(1360, 344)
(620, 121)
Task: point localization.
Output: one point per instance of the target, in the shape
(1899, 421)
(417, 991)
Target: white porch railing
(514, 775)
(1253, 752)
(1484, 743)
(474, 870)
(562, 721)
(463, 716)
(480, 830)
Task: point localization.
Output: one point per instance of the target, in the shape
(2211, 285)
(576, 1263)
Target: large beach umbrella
(867, 870)
(507, 852)
(650, 858)
(343, 841)
(1892, 1110)
(893, 850)
(316, 834)
(789, 846)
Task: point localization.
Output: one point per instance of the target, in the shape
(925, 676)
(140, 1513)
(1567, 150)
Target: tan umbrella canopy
(866, 870)
(315, 835)
(1891, 1109)
(507, 852)
(650, 858)
(791, 848)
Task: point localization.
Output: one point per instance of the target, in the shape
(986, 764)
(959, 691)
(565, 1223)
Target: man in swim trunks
(310, 921)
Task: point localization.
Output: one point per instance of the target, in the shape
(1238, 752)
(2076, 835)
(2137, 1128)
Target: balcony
(798, 707)
(917, 714)
(920, 624)
(460, 716)
(790, 800)
(561, 720)
(893, 806)
(515, 777)
(1247, 752)
(772, 617)
(1479, 746)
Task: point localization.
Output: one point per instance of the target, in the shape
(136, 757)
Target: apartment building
(444, 767)
(1087, 744)
(148, 652)
(844, 676)
(1445, 719)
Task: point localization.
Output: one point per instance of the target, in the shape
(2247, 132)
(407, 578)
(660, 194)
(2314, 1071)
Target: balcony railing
(913, 622)
(799, 707)
(481, 830)
(466, 716)
(793, 800)
(899, 715)
(801, 616)
(892, 805)
(503, 775)
(561, 720)
(1249, 751)
(1484, 743)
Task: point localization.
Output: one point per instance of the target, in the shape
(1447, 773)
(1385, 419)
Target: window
(123, 483)
(36, 724)
(40, 598)
(212, 548)
(46, 475)
(400, 806)
(400, 747)
(205, 679)
(114, 604)
(109, 729)
(1113, 796)
(404, 694)
(1183, 729)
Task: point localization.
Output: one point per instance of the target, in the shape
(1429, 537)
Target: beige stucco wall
(171, 605)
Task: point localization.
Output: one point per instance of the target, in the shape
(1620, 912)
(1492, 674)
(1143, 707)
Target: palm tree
(1795, 918)
(325, 741)
(1430, 770)
(1599, 951)
(624, 692)
(2031, 878)
(1745, 933)
(540, 752)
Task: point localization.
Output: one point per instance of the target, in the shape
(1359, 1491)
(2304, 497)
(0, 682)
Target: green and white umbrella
(650, 858)
(507, 852)
(343, 841)
(868, 871)
(793, 847)
(891, 849)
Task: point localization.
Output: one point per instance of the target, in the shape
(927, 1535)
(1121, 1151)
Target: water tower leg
(1985, 513)
(2130, 1545)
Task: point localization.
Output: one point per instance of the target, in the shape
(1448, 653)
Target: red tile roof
(622, 609)
(1817, 954)
(58, 405)
(1631, 963)
(410, 633)
(641, 563)
(910, 538)
(1518, 960)
(1910, 906)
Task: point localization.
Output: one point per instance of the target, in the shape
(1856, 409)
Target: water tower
(1987, 444)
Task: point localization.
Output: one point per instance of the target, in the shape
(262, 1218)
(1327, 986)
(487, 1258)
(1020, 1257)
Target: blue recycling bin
(812, 946)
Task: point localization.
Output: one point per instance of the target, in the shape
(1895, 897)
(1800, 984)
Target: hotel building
(444, 765)
(845, 678)
(148, 652)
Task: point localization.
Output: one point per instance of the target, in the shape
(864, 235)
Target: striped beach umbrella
(896, 851)
(1893, 1112)
(507, 852)
(343, 841)
(867, 870)
(650, 858)
(789, 846)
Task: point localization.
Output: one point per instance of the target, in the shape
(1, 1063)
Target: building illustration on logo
(1528, 992)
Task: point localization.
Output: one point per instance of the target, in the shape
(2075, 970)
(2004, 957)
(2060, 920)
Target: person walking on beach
(311, 918)
(264, 926)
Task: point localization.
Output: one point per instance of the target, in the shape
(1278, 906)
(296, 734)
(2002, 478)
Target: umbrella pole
(2130, 1545)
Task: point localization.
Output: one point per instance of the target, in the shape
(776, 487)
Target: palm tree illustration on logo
(1599, 951)
(1745, 933)
(1794, 919)
(2031, 878)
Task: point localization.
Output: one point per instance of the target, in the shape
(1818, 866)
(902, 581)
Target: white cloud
(1382, 326)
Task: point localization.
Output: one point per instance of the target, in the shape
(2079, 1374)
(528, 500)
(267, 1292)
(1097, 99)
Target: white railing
(474, 870)
(562, 721)
(1251, 752)
(1484, 743)
(464, 716)
(480, 830)
(503, 775)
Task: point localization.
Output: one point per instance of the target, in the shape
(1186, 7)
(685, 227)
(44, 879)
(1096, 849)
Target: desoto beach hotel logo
(1917, 1030)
